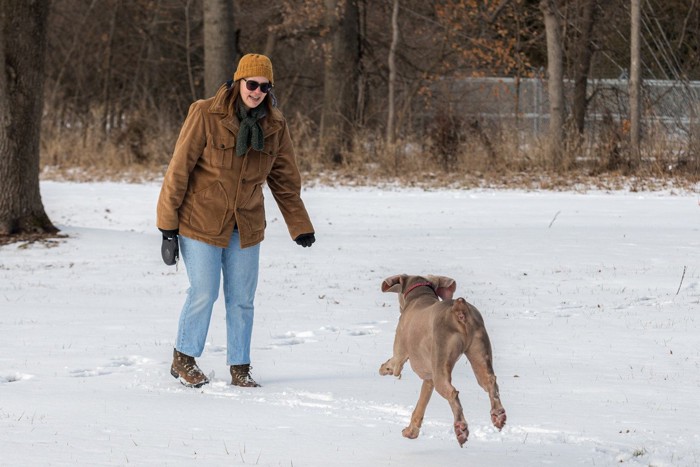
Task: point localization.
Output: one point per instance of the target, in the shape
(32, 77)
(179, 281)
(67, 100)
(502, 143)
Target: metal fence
(524, 103)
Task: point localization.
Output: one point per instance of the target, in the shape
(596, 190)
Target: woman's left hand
(306, 239)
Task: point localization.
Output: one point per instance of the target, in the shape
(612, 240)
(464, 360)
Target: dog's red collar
(419, 284)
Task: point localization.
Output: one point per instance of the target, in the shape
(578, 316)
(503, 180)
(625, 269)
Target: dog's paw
(498, 418)
(462, 432)
(410, 432)
(388, 370)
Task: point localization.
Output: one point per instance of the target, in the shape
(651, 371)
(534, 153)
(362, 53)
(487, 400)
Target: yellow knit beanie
(254, 65)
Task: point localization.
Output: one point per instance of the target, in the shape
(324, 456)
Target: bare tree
(341, 76)
(22, 45)
(135, 66)
(219, 44)
(584, 55)
(555, 83)
(392, 73)
(635, 80)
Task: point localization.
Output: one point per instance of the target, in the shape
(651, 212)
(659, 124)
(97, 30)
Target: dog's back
(436, 332)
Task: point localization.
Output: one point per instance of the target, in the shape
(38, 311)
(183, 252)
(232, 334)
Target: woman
(211, 198)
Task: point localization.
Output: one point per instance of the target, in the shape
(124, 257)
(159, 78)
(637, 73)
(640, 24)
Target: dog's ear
(444, 286)
(393, 283)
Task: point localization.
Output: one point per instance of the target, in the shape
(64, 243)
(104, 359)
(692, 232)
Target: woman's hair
(270, 101)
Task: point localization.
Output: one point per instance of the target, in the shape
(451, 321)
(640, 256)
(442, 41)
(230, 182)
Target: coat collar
(221, 105)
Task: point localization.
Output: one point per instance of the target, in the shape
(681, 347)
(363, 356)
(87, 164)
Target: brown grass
(454, 154)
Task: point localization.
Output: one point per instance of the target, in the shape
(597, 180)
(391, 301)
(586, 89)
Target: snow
(594, 323)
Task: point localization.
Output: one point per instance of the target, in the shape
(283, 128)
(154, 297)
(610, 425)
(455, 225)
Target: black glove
(306, 239)
(169, 249)
(169, 233)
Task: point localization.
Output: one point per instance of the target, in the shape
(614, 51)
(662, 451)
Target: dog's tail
(460, 308)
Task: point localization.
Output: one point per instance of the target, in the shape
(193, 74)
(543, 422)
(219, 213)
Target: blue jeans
(204, 264)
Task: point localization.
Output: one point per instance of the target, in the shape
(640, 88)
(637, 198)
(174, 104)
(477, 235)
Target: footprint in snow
(114, 365)
(15, 377)
(132, 360)
(290, 338)
(363, 330)
(294, 338)
(89, 372)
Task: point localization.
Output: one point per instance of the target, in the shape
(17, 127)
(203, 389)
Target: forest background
(382, 89)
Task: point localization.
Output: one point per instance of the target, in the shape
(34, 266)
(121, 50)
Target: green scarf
(250, 132)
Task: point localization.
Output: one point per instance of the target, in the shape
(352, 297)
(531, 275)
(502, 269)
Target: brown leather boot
(240, 376)
(185, 369)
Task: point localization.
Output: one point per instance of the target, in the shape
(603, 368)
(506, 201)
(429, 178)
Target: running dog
(433, 332)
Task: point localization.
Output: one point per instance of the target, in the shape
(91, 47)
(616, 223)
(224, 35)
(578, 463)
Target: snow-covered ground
(592, 302)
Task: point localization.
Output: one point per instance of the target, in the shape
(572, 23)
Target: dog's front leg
(393, 366)
(412, 430)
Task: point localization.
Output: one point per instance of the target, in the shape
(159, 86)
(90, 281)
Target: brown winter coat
(207, 189)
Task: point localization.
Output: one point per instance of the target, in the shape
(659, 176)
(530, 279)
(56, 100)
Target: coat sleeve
(188, 149)
(284, 181)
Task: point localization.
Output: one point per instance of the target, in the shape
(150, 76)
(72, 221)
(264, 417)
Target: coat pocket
(220, 152)
(252, 213)
(209, 208)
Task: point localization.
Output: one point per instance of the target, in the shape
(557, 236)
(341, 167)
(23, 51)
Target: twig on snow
(555, 218)
(682, 277)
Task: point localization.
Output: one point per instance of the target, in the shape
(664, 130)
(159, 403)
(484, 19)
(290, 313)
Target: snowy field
(594, 323)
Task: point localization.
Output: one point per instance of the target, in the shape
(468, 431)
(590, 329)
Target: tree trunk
(635, 85)
(583, 62)
(555, 83)
(219, 44)
(22, 46)
(341, 77)
(107, 109)
(392, 74)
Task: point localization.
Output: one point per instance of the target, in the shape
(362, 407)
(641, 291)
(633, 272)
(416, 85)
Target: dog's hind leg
(479, 355)
(444, 387)
(412, 430)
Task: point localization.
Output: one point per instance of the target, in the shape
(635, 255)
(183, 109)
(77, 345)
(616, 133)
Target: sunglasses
(253, 85)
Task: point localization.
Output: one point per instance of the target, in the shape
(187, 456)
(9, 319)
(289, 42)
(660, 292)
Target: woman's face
(253, 98)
